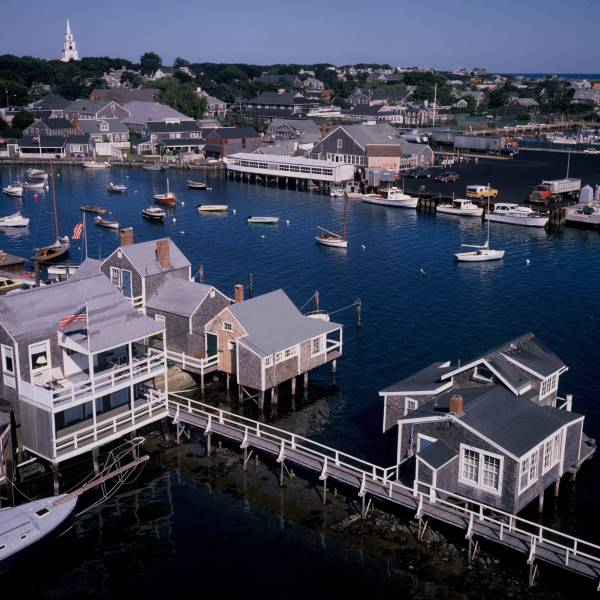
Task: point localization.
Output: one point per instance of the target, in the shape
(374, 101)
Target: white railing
(504, 523)
(153, 409)
(564, 403)
(202, 364)
(331, 345)
(103, 381)
(137, 302)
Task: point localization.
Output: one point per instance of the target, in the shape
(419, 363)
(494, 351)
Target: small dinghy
(99, 210)
(14, 220)
(15, 190)
(256, 220)
(105, 223)
(36, 174)
(118, 188)
(196, 185)
(212, 207)
(154, 213)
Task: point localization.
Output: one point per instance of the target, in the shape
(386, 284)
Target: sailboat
(62, 245)
(166, 198)
(335, 240)
(480, 253)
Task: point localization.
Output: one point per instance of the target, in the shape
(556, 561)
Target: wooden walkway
(536, 541)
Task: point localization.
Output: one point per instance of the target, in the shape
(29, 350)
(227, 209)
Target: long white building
(306, 169)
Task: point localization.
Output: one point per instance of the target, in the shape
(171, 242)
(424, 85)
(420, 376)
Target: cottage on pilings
(491, 429)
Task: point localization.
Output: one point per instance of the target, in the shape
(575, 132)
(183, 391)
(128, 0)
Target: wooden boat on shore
(91, 208)
(212, 207)
(154, 213)
(118, 188)
(196, 185)
(14, 190)
(105, 223)
(14, 220)
(257, 220)
(52, 252)
(165, 198)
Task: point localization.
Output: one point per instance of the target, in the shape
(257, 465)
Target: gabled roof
(369, 134)
(179, 296)
(144, 112)
(124, 95)
(235, 132)
(514, 423)
(50, 102)
(436, 455)
(425, 380)
(93, 126)
(85, 105)
(143, 257)
(112, 320)
(273, 323)
(165, 127)
(55, 123)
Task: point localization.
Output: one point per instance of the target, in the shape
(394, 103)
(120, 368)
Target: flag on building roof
(79, 315)
(77, 231)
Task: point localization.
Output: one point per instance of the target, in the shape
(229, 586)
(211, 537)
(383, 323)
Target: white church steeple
(69, 48)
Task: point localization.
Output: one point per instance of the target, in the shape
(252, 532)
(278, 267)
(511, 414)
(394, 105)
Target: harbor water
(418, 306)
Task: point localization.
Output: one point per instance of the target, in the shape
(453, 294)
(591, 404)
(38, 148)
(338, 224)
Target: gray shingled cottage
(491, 429)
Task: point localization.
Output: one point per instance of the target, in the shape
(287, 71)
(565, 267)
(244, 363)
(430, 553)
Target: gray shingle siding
(7, 392)
(250, 368)
(123, 263)
(209, 308)
(328, 145)
(177, 330)
(36, 429)
(394, 407)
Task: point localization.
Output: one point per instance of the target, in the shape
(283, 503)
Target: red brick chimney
(238, 292)
(162, 253)
(456, 405)
(126, 235)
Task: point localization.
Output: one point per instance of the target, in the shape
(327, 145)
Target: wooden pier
(479, 521)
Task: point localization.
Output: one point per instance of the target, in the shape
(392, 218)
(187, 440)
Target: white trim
(399, 445)
(482, 454)
(8, 377)
(530, 481)
(427, 438)
(32, 370)
(436, 469)
(408, 399)
(439, 390)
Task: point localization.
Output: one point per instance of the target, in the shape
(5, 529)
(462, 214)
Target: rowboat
(104, 223)
(14, 220)
(92, 164)
(99, 210)
(263, 220)
(52, 252)
(116, 187)
(154, 213)
(37, 174)
(35, 185)
(166, 198)
(196, 185)
(15, 190)
(212, 208)
(153, 168)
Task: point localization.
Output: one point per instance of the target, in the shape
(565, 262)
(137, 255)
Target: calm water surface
(409, 320)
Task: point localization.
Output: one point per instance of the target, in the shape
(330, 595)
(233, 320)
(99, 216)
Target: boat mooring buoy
(182, 203)
(363, 247)
(527, 262)
(423, 272)
(262, 237)
(234, 211)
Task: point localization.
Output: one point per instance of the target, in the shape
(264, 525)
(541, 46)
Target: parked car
(447, 176)
(419, 172)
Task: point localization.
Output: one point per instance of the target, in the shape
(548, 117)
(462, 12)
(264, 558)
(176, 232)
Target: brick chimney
(126, 235)
(162, 253)
(456, 405)
(238, 292)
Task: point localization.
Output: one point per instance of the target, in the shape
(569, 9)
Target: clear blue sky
(501, 35)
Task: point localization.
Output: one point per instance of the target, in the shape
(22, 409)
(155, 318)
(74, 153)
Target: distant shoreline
(564, 75)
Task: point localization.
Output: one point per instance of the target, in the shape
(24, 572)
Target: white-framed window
(410, 404)
(316, 346)
(549, 385)
(480, 469)
(289, 352)
(268, 361)
(552, 452)
(39, 357)
(159, 319)
(115, 276)
(227, 326)
(340, 143)
(278, 357)
(529, 470)
(8, 360)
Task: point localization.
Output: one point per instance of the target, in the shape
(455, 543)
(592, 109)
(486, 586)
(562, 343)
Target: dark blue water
(455, 311)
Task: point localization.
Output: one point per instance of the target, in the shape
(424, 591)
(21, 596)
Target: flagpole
(85, 234)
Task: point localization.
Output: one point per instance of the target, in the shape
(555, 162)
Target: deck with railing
(536, 541)
(201, 366)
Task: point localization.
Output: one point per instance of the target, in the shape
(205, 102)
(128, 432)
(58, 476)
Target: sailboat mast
(344, 227)
(54, 199)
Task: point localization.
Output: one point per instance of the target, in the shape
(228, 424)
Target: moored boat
(35, 185)
(154, 213)
(61, 272)
(165, 198)
(116, 187)
(461, 207)
(14, 220)
(212, 207)
(481, 253)
(153, 168)
(36, 174)
(92, 164)
(91, 208)
(196, 185)
(105, 223)
(335, 240)
(15, 190)
(52, 252)
(392, 196)
(514, 214)
(257, 220)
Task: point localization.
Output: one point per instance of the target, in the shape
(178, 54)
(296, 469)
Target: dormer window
(104, 126)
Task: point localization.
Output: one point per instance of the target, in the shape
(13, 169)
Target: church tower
(69, 49)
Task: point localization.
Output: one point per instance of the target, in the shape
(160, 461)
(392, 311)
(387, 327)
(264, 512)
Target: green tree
(183, 97)
(180, 62)
(131, 79)
(150, 62)
(22, 120)
(499, 97)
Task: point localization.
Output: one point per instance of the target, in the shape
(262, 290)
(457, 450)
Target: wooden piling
(358, 311)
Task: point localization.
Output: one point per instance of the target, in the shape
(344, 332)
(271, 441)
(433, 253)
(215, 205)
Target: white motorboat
(35, 185)
(61, 272)
(92, 164)
(480, 253)
(37, 174)
(14, 220)
(105, 223)
(391, 196)
(116, 187)
(212, 207)
(591, 151)
(15, 190)
(461, 207)
(196, 185)
(514, 214)
(263, 220)
(154, 213)
(335, 192)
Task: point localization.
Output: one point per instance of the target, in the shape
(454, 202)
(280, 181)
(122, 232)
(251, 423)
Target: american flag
(78, 315)
(77, 231)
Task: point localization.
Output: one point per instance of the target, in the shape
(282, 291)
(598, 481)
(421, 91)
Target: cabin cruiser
(36, 174)
(514, 214)
(391, 196)
(154, 213)
(462, 207)
(15, 190)
(14, 220)
(116, 187)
